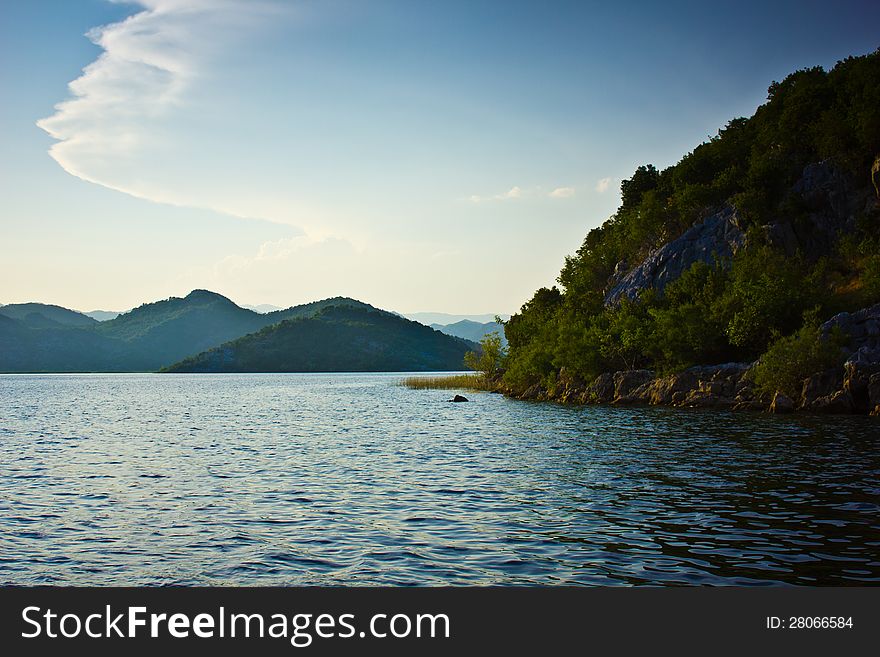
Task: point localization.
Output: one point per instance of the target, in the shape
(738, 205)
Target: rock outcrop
(830, 204)
(861, 328)
(719, 235)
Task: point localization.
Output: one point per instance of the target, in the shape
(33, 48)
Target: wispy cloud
(603, 185)
(562, 192)
(119, 104)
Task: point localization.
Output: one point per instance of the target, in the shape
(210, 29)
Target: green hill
(335, 339)
(40, 338)
(46, 315)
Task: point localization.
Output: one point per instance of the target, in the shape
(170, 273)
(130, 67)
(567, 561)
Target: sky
(419, 156)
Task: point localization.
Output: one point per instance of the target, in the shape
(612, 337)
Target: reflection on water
(351, 479)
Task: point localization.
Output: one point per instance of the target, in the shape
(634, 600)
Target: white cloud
(603, 185)
(562, 192)
(514, 192)
(117, 115)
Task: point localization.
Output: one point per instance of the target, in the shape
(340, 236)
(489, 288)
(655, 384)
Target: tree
(490, 359)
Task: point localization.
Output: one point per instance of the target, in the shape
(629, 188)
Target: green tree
(490, 359)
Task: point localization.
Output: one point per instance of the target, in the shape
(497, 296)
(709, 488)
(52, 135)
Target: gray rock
(781, 404)
(861, 328)
(719, 235)
(831, 204)
(602, 389)
(874, 391)
(821, 384)
(859, 368)
(626, 382)
(838, 402)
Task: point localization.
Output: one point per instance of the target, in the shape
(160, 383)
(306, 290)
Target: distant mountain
(338, 338)
(44, 315)
(445, 319)
(42, 338)
(102, 315)
(473, 331)
(262, 308)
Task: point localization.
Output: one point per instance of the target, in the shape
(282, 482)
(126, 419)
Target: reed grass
(448, 382)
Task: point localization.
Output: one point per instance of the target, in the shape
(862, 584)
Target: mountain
(469, 330)
(428, 318)
(262, 308)
(102, 315)
(335, 339)
(42, 338)
(45, 315)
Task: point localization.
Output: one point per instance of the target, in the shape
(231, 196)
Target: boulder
(839, 402)
(821, 384)
(601, 390)
(459, 398)
(663, 390)
(626, 382)
(533, 392)
(858, 370)
(874, 390)
(781, 404)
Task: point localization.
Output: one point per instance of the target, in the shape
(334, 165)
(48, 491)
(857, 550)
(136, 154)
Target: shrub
(793, 358)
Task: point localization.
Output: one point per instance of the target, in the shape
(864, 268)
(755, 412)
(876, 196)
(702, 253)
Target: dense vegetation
(731, 309)
(335, 339)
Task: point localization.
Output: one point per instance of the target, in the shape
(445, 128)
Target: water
(353, 480)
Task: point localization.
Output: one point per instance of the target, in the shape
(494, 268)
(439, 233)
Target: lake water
(351, 479)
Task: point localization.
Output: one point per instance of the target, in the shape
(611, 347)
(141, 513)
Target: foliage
(792, 359)
(490, 358)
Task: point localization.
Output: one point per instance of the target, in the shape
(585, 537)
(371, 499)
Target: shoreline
(848, 390)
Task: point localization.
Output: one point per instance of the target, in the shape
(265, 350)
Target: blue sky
(418, 156)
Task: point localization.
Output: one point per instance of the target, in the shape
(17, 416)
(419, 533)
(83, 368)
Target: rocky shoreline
(853, 388)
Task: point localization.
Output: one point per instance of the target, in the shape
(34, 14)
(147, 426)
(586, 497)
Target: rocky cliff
(717, 236)
(827, 204)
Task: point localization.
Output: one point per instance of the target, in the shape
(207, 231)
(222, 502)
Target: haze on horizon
(419, 157)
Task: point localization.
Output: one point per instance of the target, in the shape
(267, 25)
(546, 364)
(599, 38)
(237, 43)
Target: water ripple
(350, 479)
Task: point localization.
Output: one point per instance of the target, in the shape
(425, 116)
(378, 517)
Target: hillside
(45, 315)
(736, 253)
(337, 338)
(42, 338)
